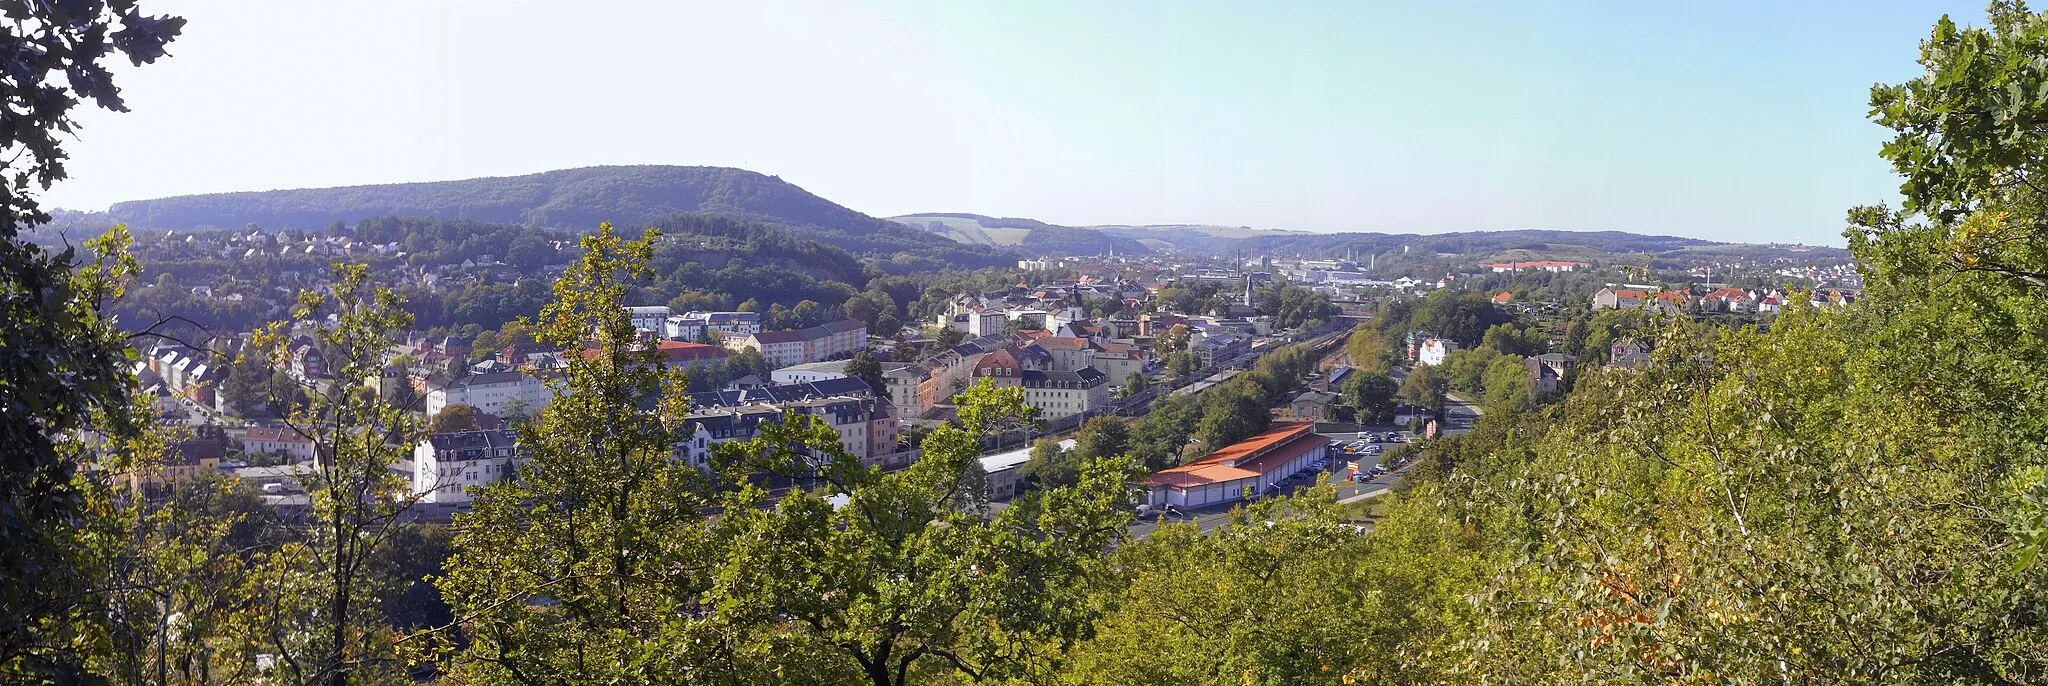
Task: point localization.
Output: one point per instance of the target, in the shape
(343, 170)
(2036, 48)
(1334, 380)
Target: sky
(1738, 121)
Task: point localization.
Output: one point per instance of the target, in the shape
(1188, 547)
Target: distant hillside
(568, 198)
(1033, 236)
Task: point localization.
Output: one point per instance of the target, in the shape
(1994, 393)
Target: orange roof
(1057, 342)
(1503, 297)
(1631, 294)
(1247, 458)
(1035, 334)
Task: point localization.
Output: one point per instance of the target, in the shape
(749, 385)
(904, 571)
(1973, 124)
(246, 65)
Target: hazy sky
(1729, 120)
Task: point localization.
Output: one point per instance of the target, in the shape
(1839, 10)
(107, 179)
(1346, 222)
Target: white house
(295, 447)
(446, 466)
(495, 393)
(1435, 350)
(653, 319)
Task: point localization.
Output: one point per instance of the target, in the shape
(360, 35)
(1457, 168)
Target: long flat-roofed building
(1254, 463)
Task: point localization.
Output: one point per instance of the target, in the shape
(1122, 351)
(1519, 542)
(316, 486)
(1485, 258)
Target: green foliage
(1158, 438)
(1373, 395)
(661, 196)
(1050, 466)
(1135, 383)
(1507, 384)
(63, 370)
(1232, 412)
(1293, 306)
(865, 367)
(1103, 438)
(1424, 388)
(907, 582)
(454, 417)
(1462, 316)
(1370, 351)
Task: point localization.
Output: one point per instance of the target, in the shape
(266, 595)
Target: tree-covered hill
(567, 198)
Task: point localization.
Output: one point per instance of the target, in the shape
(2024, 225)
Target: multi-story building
(1068, 354)
(284, 442)
(1060, 393)
(447, 466)
(822, 342)
(1435, 350)
(182, 461)
(696, 325)
(652, 319)
(497, 393)
(1118, 360)
(1548, 371)
(1218, 347)
(908, 388)
(865, 423)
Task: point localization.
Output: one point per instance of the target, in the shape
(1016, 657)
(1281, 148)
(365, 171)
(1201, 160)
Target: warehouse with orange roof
(1254, 463)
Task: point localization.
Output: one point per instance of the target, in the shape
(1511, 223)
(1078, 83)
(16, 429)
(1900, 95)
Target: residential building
(865, 423)
(1118, 360)
(908, 389)
(182, 461)
(682, 353)
(281, 441)
(1611, 299)
(1628, 354)
(822, 342)
(652, 319)
(697, 325)
(1547, 372)
(1729, 300)
(1001, 368)
(503, 393)
(446, 467)
(1313, 405)
(1060, 393)
(1435, 350)
(307, 363)
(1252, 465)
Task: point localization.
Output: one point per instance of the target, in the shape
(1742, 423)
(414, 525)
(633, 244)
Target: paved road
(1459, 415)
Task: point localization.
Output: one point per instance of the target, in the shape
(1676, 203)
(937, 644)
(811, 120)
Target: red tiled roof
(1639, 295)
(275, 434)
(1247, 458)
(1057, 342)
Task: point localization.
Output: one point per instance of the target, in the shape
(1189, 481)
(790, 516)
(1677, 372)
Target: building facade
(447, 467)
(1061, 393)
(496, 394)
(1253, 465)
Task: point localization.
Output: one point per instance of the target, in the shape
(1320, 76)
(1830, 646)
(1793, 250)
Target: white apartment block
(493, 393)
(447, 467)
